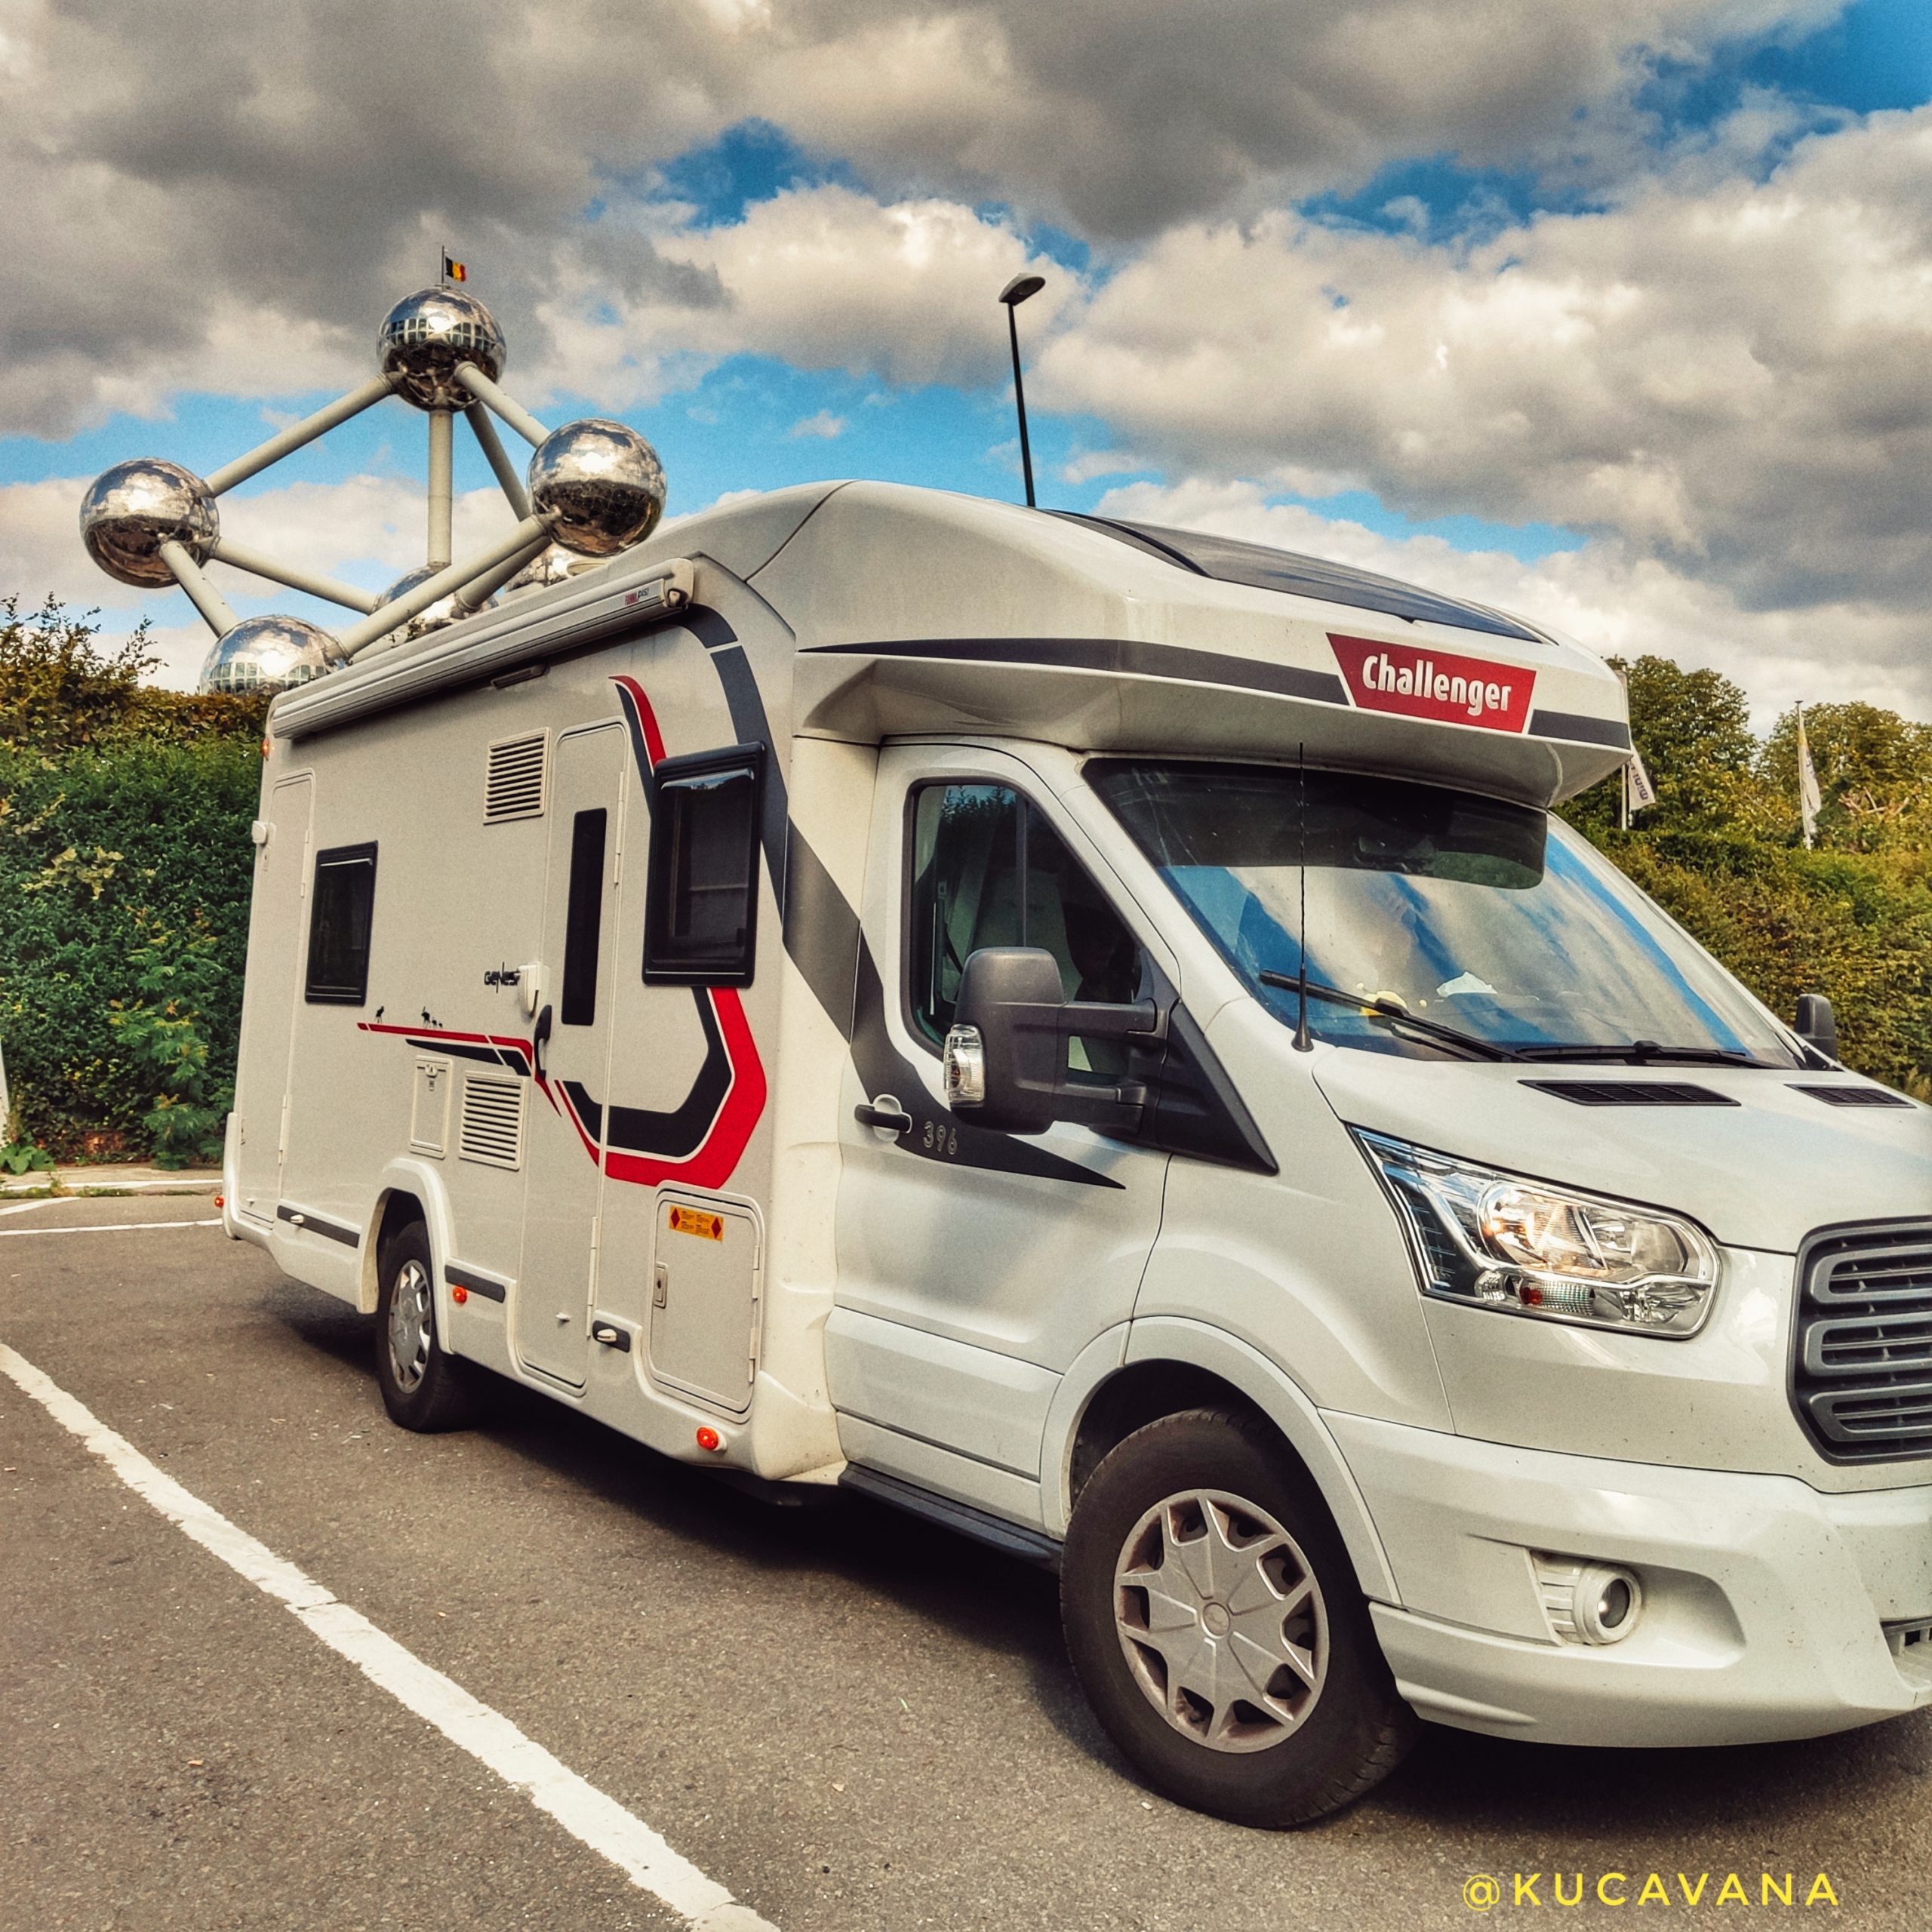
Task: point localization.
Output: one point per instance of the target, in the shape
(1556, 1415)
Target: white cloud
(1730, 377)
(824, 278)
(824, 425)
(235, 210)
(1607, 595)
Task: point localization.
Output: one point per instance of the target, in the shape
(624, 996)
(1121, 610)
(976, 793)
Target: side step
(1013, 1539)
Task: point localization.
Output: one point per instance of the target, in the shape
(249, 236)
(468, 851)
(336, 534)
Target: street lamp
(1015, 292)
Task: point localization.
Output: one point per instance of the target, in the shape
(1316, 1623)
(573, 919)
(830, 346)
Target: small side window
(700, 924)
(340, 909)
(583, 919)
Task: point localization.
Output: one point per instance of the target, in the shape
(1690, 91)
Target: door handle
(885, 1113)
(539, 1035)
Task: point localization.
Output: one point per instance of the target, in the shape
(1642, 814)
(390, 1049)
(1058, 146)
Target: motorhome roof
(1265, 568)
(914, 610)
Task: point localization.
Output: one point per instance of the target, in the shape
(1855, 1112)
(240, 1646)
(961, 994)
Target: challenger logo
(1435, 684)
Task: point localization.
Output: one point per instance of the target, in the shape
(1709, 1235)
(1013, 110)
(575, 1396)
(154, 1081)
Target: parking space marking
(588, 1814)
(107, 1228)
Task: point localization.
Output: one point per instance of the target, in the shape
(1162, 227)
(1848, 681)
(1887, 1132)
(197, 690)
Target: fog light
(1588, 1603)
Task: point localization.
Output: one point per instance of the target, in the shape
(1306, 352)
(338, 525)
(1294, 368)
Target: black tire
(1327, 1725)
(423, 1388)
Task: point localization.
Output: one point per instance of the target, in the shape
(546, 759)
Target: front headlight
(1495, 1240)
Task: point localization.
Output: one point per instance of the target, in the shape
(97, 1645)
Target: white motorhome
(1092, 1033)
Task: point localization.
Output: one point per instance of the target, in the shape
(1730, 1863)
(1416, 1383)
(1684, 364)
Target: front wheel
(424, 1387)
(1217, 1626)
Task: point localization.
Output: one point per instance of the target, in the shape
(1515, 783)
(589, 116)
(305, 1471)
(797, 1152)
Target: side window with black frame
(583, 919)
(341, 908)
(987, 869)
(700, 924)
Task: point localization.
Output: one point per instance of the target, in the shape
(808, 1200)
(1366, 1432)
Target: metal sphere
(443, 611)
(602, 482)
(548, 566)
(425, 335)
(130, 511)
(270, 654)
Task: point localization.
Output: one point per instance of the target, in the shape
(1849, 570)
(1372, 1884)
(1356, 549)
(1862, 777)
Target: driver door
(974, 1266)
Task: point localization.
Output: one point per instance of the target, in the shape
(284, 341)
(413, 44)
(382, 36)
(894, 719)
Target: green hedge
(125, 872)
(122, 867)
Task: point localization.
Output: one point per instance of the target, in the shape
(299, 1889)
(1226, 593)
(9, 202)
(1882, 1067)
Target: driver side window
(988, 870)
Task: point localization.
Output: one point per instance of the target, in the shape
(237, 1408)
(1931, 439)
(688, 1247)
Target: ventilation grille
(518, 770)
(1853, 1096)
(1861, 1366)
(1632, 1093)
(491, 1129)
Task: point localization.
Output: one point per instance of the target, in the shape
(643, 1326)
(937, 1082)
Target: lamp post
(1015, 292)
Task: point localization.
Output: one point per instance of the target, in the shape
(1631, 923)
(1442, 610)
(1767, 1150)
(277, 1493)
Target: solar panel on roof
(1228, 560)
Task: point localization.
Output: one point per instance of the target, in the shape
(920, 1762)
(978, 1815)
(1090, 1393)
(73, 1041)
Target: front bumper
(1765, 1600)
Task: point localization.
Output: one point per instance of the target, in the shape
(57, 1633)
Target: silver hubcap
(410, 1329)
(1221, 1620)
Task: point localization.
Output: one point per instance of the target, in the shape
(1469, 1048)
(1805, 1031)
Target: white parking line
(588, 1816)
(106, 1228)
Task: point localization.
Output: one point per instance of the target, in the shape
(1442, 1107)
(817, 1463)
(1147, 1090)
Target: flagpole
(1624, 776)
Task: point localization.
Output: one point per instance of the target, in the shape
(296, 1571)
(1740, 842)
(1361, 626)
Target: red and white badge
(1421, 682)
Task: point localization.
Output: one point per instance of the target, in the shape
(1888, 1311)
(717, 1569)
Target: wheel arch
(1166, 1364)
(409, 1191)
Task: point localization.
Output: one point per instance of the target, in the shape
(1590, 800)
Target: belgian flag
(453, 270)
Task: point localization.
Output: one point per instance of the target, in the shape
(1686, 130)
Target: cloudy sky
(1617, 313)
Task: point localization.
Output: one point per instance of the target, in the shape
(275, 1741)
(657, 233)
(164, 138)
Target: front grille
(1861, 1372)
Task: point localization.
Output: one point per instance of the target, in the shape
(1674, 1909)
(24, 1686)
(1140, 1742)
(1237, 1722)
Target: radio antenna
(1303, 1045)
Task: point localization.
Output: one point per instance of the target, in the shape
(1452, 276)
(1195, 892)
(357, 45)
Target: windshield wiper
(1389, 1010)
(1638, 1052)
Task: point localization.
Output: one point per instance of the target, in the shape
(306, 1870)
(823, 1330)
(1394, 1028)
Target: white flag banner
(1639, 794)
(1809, 799)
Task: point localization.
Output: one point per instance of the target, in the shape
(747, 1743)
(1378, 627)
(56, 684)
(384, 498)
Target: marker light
(709, 1439)
(458, 1295)
(1497, 1240)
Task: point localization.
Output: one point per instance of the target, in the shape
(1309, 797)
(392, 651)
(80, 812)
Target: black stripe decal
(1118, 656)
(821, 933)
(674, 1135)
(1580, 729)
(745, 703)
(460, 1277)
(507, 1056)
(313, 1223)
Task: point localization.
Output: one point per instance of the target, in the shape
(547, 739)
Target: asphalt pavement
(845, 1719)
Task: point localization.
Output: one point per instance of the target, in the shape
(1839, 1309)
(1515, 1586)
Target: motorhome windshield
(1477, 917)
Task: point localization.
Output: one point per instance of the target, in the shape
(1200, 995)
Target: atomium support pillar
(442, 459)
(203, 594)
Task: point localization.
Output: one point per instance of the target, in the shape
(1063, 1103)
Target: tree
(1874, 775)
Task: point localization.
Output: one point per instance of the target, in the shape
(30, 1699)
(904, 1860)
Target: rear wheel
(423, 1386)
(1216, 1624)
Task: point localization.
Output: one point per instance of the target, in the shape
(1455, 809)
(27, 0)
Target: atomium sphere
(425, 335)
(548, 566)
(270, 654)
(443, 611)
(602, 484)
(130, 511)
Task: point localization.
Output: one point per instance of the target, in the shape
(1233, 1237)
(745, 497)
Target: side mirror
(1002, 1055)
(1816, 1025)
(1005, 1057)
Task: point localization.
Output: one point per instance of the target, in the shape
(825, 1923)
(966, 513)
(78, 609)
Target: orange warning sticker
(694, 1221)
